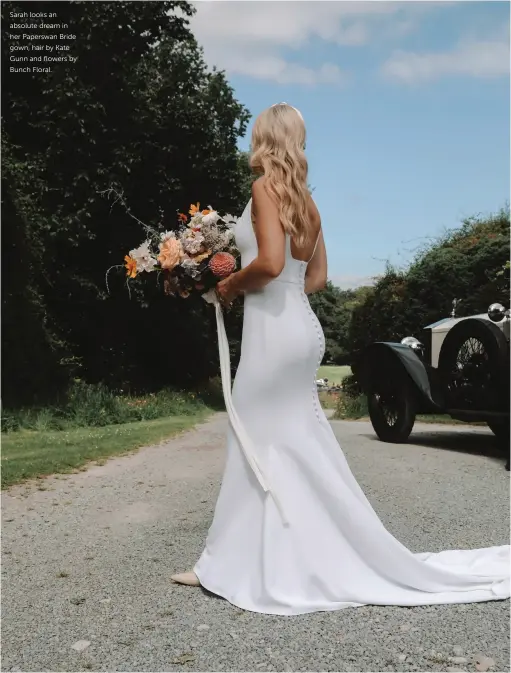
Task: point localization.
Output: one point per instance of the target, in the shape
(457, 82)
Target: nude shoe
(189, 578)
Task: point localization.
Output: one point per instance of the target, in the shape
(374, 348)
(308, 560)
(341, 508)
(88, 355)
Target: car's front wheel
(391, 405)
(500, 429)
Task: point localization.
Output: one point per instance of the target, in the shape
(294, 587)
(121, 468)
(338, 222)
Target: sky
(406, 105)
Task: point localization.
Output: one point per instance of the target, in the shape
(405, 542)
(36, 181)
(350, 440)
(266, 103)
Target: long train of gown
(331, 551)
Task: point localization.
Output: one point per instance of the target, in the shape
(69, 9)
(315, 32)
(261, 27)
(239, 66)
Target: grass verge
(354, 408)
(349, 407)
(334, 374)
(94, 405)
(328, 400)
(30, 453)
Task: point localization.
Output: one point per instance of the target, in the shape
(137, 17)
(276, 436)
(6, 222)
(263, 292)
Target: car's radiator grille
(426, 340)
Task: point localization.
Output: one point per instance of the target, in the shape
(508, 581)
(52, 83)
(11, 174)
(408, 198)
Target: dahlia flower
(222, 264)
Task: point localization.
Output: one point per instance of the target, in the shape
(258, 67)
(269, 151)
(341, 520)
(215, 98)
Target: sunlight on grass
(333, 373)
(31, 453)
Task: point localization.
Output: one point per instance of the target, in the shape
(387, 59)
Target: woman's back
(279, 246)
(295, 259)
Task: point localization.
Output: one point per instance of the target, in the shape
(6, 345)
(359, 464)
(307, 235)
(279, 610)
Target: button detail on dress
(321, 339)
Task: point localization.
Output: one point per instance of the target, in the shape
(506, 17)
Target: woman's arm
(271, 244)
(316, 274)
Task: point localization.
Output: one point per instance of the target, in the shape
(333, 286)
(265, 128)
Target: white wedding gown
(313, 541)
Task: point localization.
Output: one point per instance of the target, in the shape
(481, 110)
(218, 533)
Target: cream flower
(229, 220)
(143, 257)
(167, 234)
(192, 242)
(211, 218)
(190, 266)
(197, 220)
(222, 241)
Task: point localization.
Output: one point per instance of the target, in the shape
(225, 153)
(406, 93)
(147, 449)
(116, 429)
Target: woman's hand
(226, 291)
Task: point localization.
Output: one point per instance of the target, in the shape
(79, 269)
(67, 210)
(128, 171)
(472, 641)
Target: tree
(34, 356)
(141, 112)
(333, 308)
(470, 263)
(246, 176)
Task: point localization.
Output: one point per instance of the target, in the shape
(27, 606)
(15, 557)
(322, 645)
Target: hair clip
(291, 106)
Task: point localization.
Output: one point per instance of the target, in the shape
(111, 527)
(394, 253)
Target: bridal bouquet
(193, 258)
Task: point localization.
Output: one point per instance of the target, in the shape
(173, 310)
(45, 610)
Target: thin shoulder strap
(315, 246)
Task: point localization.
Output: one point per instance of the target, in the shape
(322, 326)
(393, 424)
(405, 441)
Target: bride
(293, 532)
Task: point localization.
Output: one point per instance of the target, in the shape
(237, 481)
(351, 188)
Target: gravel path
(87, 563)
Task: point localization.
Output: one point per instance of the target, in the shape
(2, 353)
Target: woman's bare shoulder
(261, 198)
(258, 188)
(314, 212)
(264, 205)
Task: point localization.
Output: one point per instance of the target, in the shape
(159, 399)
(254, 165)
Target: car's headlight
(412, 343)
(497, 312)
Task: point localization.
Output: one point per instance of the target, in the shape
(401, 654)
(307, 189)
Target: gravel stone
(445, 489)
(459, 660)
(81, 645)
(483, 663)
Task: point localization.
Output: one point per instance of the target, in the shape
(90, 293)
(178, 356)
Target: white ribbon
(241, 434)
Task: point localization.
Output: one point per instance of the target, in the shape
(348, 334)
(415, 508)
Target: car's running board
(466, 415)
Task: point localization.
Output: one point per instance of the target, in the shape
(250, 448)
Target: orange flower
(171, 252)
(194, 209)
(184, 294)
(182, 217)
(206, 212)
(131, 266)
(222, 264)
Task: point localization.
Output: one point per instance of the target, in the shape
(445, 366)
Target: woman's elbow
(273, 268)
(320, 284)
(323, 281)
(316, 282)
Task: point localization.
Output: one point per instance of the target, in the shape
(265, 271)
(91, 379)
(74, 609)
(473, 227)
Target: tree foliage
(470, 264)
(333, 308)
(139, 111)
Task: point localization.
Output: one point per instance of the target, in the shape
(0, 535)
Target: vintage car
(460, 367)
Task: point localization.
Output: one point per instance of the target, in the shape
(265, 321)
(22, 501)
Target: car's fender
(370, 364)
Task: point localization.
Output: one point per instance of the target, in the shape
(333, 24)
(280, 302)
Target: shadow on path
(453, 438)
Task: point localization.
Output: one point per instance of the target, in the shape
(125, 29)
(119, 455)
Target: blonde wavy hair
(278, 153)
